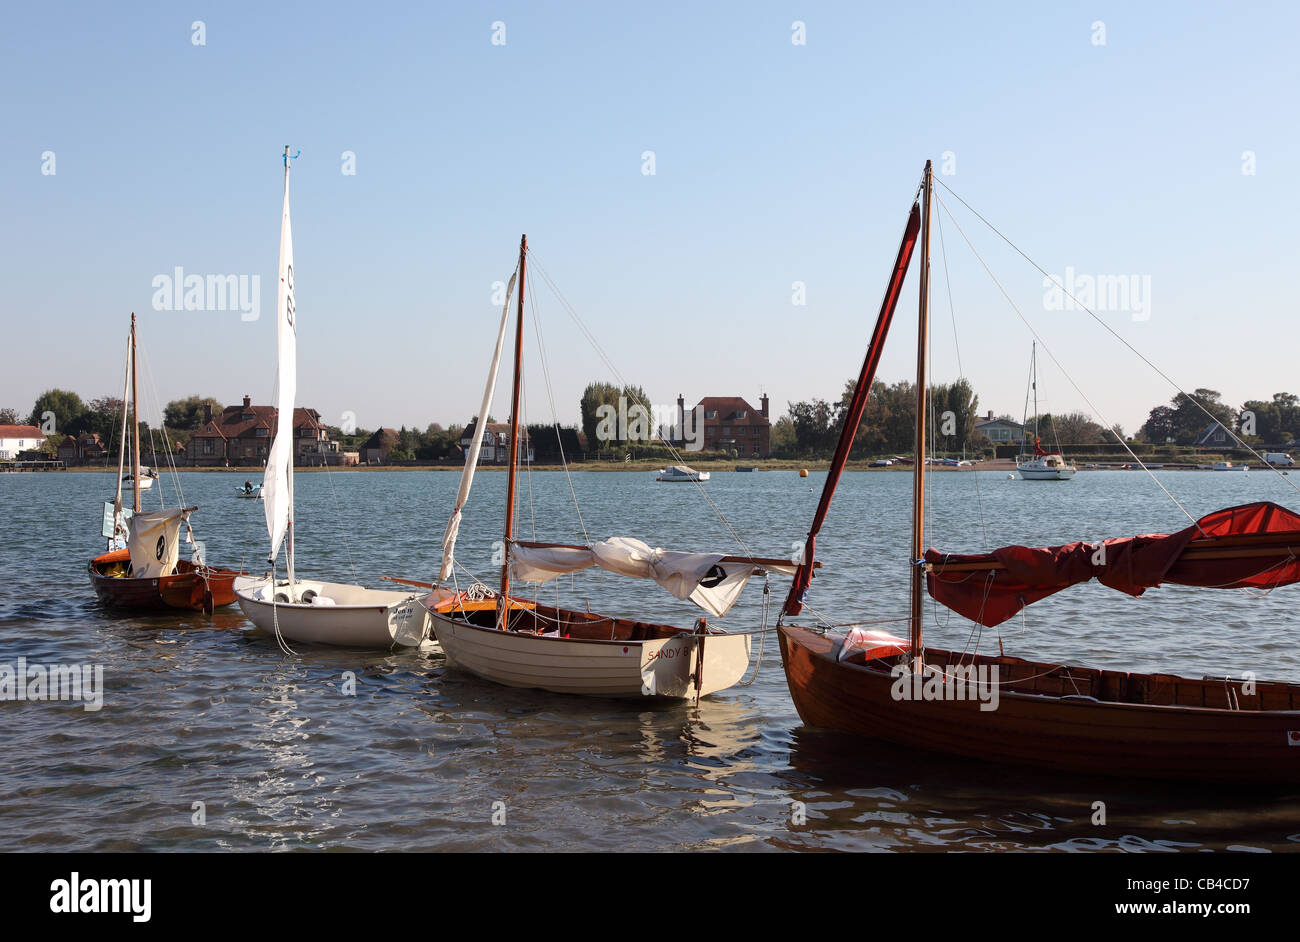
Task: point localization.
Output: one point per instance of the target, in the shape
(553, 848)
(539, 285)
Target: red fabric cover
(1132, 565)
(803, 575)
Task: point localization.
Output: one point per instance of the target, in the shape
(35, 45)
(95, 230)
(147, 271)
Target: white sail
(278, 487)
(704, 578)
(154, 541)
(471, 460)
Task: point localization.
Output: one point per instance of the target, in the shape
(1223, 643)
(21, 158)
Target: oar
(422, 585)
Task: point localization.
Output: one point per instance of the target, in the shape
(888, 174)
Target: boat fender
(281, 597)
(308, 595)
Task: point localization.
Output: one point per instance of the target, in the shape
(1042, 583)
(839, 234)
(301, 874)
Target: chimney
(764, 405)
(247, 402)
(681, 418)
(990, 415)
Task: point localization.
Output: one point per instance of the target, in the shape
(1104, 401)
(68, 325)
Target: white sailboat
(521, 643)
(312, 611)
(1042, 465)
(681, 472)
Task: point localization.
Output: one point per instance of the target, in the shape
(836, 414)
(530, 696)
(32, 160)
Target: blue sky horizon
(1148, 145)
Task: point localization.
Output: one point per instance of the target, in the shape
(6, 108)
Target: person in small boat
(248, 487)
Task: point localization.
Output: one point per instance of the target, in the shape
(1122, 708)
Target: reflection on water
(372, 751)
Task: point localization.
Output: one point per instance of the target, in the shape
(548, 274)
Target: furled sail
(278, 489)
(853, 416)
(713, 581)
(153, 538)
(471, 459)
(1251, 546)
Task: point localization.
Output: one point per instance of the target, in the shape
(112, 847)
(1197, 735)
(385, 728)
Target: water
(199, 709)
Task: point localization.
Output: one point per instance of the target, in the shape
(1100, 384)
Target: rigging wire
(1084, 395)
(1134, 350)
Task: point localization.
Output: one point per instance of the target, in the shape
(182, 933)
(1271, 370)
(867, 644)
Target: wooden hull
(627, 668)
(190, 588)
(361, 618)
(1062, 732)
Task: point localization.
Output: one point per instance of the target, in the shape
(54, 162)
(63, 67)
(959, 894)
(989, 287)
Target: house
(495, 447)
(242, 435)
(726, 423)
(1215, 435)
(1000, 431)
(15, 439)
(90, 447)
(379, 445)
(67, 450)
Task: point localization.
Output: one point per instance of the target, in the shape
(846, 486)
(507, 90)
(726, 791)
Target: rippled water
(199, 709)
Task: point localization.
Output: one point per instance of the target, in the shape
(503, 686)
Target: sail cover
(278, 489)
(712, 581)
(1251, 546)
(153, 538)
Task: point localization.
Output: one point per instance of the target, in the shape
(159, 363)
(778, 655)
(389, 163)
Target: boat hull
(361, 617)
(661, 668)
(192, 588)
(1068, 734)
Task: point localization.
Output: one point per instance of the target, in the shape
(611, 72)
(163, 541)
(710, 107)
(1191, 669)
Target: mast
(135, 422)
(922, 403)
(1033, 382)
(121, 453)
(291, 313)
(514, 437)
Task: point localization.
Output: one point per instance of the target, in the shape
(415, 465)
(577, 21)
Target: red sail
(803, 575)
(1252, 546)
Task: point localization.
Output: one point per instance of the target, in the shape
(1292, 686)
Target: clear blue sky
(775, 163)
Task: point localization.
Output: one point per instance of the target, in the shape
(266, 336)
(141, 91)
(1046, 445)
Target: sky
(1153, 141)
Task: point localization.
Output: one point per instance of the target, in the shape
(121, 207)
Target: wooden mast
(503, 608)
(918, 472)
(135, 422)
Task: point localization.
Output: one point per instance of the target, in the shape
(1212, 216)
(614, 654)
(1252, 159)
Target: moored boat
(311, 611)
(680, 472)
(1055, 716)
(142, 569)
(505, 638)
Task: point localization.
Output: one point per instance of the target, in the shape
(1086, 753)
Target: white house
(495, 446)
(15, 439)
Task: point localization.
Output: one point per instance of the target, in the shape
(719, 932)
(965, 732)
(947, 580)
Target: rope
(1116, 335)
(1084, 395)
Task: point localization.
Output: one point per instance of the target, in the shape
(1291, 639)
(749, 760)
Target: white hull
(670, 478)
(360, 617)
(1046, 474)
(623, 669)
(146, 482)
(1228, 466)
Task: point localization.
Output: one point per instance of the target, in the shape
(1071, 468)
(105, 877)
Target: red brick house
(727, 423)
(242, 435)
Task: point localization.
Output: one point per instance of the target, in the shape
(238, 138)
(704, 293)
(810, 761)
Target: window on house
(741, 414)
(711, 414)
(207, 446)
(726, 430)
(263, 432)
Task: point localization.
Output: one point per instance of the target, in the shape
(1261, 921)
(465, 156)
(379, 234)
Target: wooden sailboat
(312, 611)
(148, 574)
(1042, 465)
(520, 643)
(1051, 716)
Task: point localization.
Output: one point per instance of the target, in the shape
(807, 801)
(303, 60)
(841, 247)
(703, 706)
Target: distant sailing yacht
(1043, 465)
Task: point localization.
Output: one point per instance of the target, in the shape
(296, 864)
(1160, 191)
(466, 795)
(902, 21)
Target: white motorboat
(1229, 466)
(680, 472)
(147, 477)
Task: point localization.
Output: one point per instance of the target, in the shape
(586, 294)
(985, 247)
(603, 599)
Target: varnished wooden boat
(158, 579)
(1064, 718)
(1058, 717)
(200, 588)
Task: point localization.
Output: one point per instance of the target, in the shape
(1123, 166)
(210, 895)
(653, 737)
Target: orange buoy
(803, 472)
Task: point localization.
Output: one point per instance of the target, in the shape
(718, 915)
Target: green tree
(66, 407)
(188, 413)
(782, 436)
(596, 394)
(8, 417)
